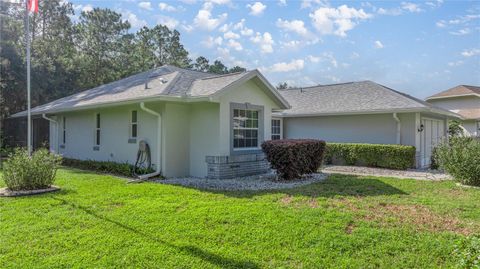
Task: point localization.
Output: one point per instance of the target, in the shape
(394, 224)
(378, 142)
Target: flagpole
(29, 114)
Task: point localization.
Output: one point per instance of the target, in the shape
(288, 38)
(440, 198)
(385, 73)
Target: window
(97, 129)
(133, 124)
(276, 129)
(245, 128)
(64, 126)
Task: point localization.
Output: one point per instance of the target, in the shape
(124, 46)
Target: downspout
(55, 137)
(159, 142)
(399, 128)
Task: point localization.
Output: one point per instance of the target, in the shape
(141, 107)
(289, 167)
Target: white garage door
(432, 135)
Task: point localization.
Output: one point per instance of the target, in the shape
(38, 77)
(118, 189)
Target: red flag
(32, 6)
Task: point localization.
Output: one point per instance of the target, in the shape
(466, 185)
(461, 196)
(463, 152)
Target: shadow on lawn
(335, 185)
(188, 249)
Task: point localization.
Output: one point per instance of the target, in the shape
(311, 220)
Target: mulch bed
(6, 192)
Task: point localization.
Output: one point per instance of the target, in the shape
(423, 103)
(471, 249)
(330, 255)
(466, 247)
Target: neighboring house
(207, 125)
(464, 100)
(196, 124)
(364, 112)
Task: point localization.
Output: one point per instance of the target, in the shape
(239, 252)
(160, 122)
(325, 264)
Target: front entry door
(432, 134)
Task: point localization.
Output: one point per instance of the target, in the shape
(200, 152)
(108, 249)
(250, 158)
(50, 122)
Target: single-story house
(197, 124)
(209, 125)
(463, 100)
(364, 112)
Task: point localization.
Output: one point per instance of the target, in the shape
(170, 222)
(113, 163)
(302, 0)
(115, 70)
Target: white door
(432, 134)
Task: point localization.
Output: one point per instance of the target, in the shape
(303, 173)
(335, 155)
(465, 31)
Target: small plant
(460, 157)
(467, 252)
(23, 172)
(455, 128)
(293, 158)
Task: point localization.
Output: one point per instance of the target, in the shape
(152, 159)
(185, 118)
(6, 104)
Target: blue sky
(416, 47)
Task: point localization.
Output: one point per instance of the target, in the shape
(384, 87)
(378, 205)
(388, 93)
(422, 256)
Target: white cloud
(390, 12)
(134, 21)
(204, 19)
(411, 7)
(313, 59)
(441, 24)
(378, 44)
(337, 21)
(145, 5)
(457, 63)
(87, 8)
(210, 42)
(170, 22)
(220, 2)
(243, 29)
(296, 26)
(471, 52)
(325, 57)
(257, 8)
(434, 4)
(293, 65)
(166, 7)
(234, 45)
(231, 35)
(282, 3)
(187, 27)
(188, 2)
(292, 44)
(265, 41)
(464, 31)
(354, 55)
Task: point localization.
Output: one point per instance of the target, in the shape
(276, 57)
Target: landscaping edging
(467, 186)
(5, 192)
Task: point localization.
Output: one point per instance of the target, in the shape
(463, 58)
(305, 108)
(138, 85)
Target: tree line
(69, 55)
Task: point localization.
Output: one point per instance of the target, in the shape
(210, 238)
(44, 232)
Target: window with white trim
(133, 124)
(245, 128)
(64, 129)
(276, 129)
(97, 129)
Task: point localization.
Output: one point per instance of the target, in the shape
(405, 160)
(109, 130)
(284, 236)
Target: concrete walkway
(421, 174)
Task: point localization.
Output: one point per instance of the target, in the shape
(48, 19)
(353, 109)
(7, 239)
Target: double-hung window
(133, 124)
(276, 129)
(97, 129)
(245, 128)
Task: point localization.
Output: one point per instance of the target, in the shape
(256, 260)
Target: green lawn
(100, 221)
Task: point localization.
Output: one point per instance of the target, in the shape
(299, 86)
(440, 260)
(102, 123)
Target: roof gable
(460, 90)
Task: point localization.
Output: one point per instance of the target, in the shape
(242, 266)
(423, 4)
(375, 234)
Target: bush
(22, 172)
(122, 169)
(374, 155)
(460, 157)
(293, 158)
(467, 252)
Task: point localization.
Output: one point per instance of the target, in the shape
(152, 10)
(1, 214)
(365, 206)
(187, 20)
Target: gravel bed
(421, 174)
(252, 183)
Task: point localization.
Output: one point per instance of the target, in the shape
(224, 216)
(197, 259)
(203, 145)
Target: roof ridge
(187, 69)
(324, 85)
(224, 75)
(420, 101)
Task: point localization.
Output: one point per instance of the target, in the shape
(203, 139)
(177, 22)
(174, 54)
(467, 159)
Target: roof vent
(163, 81)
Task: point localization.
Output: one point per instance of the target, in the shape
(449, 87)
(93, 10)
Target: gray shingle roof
(352, 98)
(163, 82)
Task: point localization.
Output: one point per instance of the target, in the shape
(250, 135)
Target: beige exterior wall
(465, 102)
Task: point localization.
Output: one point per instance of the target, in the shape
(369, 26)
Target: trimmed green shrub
(22, 172)
(122, 169)
(293, 158)
(460, 157)
(374, 155)
(467, 252)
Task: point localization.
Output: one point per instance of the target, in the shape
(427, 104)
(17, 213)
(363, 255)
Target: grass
(99, 221)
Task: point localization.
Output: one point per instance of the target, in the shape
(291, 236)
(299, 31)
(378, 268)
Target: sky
(419, 48)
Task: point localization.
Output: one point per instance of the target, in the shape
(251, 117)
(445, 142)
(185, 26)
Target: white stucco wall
(204, 136)
(115, 128)
(251, 93)
(372, 128)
